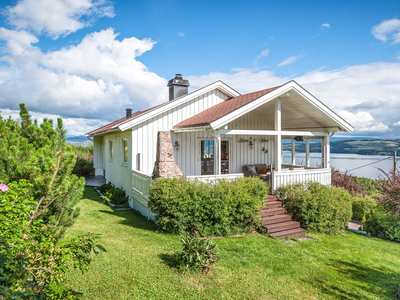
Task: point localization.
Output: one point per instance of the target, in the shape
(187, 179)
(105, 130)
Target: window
(125, 147)
(111, 150)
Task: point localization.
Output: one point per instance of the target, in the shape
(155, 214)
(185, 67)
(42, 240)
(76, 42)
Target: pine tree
(39, 154)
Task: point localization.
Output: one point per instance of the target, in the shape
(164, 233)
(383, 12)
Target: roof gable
(176, 102)
(214, 113)
(224, 113)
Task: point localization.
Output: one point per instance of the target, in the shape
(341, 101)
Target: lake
(349, 162)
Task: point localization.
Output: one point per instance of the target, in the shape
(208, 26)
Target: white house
(212, 133)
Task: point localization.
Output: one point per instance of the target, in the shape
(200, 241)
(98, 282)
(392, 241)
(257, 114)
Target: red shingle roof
(214, 113)
(115, 123)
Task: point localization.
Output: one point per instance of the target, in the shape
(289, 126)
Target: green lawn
(137, 264)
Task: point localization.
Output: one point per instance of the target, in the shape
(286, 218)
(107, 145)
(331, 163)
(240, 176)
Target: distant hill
(79, 140)
(363, 147)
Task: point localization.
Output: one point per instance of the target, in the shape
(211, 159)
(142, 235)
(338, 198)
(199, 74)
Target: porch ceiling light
(298, 138)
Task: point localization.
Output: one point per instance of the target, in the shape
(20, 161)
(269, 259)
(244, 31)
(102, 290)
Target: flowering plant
(3, 187)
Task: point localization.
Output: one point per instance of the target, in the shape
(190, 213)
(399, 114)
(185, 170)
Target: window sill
(124, 164)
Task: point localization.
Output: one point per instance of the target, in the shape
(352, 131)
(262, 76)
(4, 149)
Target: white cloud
(290, 60)
(387, 29)
(97, 78)
(57, 17)
(396, 124)
(362, 121)
(368, 91)
(74, 126)
(182, 34)
(263, 53)
(325, 26)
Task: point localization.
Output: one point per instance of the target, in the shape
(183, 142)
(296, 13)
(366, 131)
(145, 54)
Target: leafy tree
(40, 155)
(37, 198)
(32, 259)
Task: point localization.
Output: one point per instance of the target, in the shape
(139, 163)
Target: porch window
(207, 157)
(125, 147)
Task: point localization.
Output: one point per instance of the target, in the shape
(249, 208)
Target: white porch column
(322, 153)
(327, 156)
(293, 152)
(278, 128)
(307, 152)
(217, 154)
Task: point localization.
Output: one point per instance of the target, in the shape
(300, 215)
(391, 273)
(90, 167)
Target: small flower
(3, 187)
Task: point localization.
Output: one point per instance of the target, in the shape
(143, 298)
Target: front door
(207, 157)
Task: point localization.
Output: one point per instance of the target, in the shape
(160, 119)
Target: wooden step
(272, 204)
(271, 198)
(276, 227)
(275, 219)
(273, 211)
(290, 232)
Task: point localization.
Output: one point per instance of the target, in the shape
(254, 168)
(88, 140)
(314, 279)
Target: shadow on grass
(130, 217)
(169, 260)
(380, 282)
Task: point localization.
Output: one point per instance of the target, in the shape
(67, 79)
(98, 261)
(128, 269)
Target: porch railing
(213, 178)
(140, 187)
(285, 177)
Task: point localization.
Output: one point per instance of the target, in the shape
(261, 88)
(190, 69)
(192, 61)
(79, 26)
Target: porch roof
(300, 111)
(205, 118)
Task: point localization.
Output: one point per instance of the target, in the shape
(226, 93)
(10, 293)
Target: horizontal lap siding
(144, 136)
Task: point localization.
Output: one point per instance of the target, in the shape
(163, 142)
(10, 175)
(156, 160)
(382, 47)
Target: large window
(111, 149)
(125, 147)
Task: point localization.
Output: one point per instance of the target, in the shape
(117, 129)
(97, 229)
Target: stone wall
(165, 165)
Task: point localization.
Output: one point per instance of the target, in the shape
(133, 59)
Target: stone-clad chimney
(177, 87)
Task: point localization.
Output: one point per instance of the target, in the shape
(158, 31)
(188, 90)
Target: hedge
(362, 206)
(384, 224)
(317, 207)
(211, 209)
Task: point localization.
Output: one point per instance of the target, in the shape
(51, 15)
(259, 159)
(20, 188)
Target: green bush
(317, 207)
(211, 209)
(197, 255)
(362, 206)
(116, 196)
(384, 224)
(105, 187)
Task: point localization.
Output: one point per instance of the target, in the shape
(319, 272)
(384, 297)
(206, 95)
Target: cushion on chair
(262, 170)
(251, 169)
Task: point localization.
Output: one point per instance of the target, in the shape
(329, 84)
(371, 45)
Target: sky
(88, 60)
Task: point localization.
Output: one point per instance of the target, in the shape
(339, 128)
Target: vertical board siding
(145, 135)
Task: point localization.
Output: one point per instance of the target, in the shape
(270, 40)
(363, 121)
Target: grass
(138, 263)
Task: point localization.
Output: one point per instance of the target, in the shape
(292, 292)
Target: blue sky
(86, 60)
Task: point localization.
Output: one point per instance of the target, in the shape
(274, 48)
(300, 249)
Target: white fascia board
(172, 104)
(291, 85)
(271, 132)
(190, 129)
(104, 132)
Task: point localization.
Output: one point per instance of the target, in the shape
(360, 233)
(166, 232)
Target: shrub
(197, 255)
(317, 207)
(220, 208)
(362, 206)
(32, 259)
(105, 187)
(384, 224)
(116, 196)
(389, 187)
